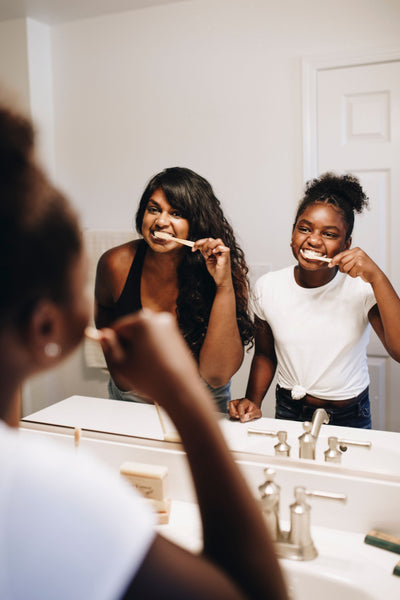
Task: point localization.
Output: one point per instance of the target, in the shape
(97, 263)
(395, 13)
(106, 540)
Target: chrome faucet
(320, 417)
(308, 440)
(295, 543)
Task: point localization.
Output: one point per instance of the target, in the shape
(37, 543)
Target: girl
(312, 320)
(205, 288)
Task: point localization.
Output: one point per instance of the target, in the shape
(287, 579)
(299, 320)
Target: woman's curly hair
(193, 196)
(342, 191)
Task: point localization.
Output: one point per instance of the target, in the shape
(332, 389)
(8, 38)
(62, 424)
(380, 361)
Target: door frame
(310, 67)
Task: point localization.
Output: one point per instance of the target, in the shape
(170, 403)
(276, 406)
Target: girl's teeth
(311, 254)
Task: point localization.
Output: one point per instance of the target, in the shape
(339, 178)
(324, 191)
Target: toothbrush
(93, 334)
(162, 235)
(311, 256)
(322, 258)
(77, 437)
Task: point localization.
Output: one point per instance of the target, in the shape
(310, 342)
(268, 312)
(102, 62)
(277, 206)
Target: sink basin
(304, 586)
(345, 568)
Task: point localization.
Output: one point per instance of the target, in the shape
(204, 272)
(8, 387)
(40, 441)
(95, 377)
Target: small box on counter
(152, 482)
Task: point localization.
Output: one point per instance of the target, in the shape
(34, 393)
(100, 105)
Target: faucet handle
(333, 454)
(269, 484)
(282, 448)
(320, 494)
(255, 431)
(344, 443)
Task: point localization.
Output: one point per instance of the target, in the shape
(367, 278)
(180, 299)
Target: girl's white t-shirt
(321, 334)
(69, 526)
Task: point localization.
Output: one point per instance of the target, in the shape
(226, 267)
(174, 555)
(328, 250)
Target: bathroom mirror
(228, 88)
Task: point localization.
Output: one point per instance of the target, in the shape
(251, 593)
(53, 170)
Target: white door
(358, 131)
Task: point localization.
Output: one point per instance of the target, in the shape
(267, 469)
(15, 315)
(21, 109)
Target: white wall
(41, 90)
(14, 74)
(214, 85)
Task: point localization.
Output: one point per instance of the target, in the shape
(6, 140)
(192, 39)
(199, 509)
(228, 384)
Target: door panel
(358, 131)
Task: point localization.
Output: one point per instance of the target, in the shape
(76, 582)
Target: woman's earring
(52, 350)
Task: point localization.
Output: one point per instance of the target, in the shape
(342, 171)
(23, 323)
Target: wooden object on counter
(152, 482)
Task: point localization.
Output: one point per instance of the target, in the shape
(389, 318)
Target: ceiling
(59, 11)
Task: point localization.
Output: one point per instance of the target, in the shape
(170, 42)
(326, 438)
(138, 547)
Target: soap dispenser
(307, 442)
(270, 496)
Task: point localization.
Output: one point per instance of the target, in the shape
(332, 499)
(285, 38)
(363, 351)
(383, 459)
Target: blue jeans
(221, 395)
(357, 414)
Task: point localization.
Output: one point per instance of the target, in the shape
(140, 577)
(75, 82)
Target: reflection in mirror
(218, 90)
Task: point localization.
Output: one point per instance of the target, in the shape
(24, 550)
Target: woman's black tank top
(129, 300)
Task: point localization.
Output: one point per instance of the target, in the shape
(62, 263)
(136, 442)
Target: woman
(70, 528)
(205, 288)
(313, 320)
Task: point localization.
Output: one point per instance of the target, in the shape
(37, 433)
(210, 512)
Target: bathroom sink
(345, 567)
(304, 586)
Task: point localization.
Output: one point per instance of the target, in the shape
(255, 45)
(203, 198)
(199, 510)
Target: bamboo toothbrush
(162, 235)
(77, 437)
(93, 334)
(311, 256)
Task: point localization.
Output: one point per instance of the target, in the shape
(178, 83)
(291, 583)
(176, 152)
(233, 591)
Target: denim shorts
(221, 395)
(357, 414)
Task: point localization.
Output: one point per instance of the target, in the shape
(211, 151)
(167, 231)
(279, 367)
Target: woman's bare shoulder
(119, 257)
(112, 270)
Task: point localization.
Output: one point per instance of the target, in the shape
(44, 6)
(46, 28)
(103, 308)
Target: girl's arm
(222, 351)
(384, 316)
(262, 372)
(147, 350)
